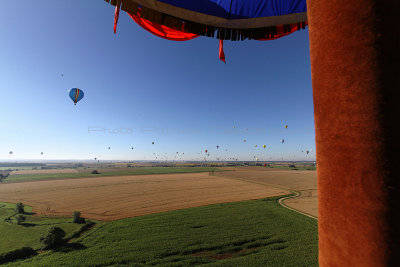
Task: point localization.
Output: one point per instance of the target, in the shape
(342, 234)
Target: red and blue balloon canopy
(234, 20)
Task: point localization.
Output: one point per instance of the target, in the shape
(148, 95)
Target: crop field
(50, 171)
(297, 167)
(303, 181)
(28, 233)
(117, 197)
(86, 173)
(248, 233)
(16, 168)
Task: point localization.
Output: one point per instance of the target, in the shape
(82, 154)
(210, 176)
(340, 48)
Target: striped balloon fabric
(75, 94)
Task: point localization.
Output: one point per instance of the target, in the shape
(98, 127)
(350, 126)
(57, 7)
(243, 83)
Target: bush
(95, 172)
(19, 208)
(20, 219)
(78, 218)
(18, 254)
(292, 166)
(54, 237)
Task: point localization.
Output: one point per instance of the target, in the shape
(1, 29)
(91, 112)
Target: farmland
(302, 181)
(248, 233)
(54, 174)
(117, 197)
(229, 217)
(28, 233)
(273, 177)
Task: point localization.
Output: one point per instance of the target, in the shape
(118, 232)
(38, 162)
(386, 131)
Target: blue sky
(140, 88)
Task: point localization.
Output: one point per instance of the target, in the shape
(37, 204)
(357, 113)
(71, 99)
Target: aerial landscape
(133, 167)
(188, 133)
(179, 213)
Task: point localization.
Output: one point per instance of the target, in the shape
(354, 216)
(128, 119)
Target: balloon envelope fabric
(75, 94)
(226, 20)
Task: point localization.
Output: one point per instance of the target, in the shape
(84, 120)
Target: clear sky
(140, 88)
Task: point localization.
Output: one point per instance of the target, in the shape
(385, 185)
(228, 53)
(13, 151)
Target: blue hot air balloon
(75, 94)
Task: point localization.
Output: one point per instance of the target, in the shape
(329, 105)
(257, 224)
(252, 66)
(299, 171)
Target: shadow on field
(68, 247)
(237, 248)
(27, 224)
(240, 248)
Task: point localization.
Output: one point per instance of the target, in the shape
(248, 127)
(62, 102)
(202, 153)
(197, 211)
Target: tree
(19, 208)
(20, 219)
(95, 172)
(78, 218)
(17, 254)
(54, 237)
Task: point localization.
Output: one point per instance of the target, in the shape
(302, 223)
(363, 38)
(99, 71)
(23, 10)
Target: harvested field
(304, 182)
(307, 202)
(51, 171)
(112, 198)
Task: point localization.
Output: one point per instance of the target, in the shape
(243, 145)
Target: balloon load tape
(221, 33)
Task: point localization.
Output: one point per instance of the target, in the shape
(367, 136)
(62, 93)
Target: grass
(16, 168)
(27, 234)
(133, 171)
(247, 233)
(298, 167)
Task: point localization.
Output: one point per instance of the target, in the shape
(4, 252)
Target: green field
(298, 167)
(16, 168)
(133, 171)
(13, 236)
(247, 233)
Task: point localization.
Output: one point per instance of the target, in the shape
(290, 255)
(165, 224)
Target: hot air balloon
(217, 147)
(205, 150)
(307, 152)
(109, 147)
(10, 152)
(283, 140)
(244, 140)
(222, 19)
(264, 146)
(152, 143)
(132, 148)
(41, 153)
(255, 145)
(75, 94)
(285, 126)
